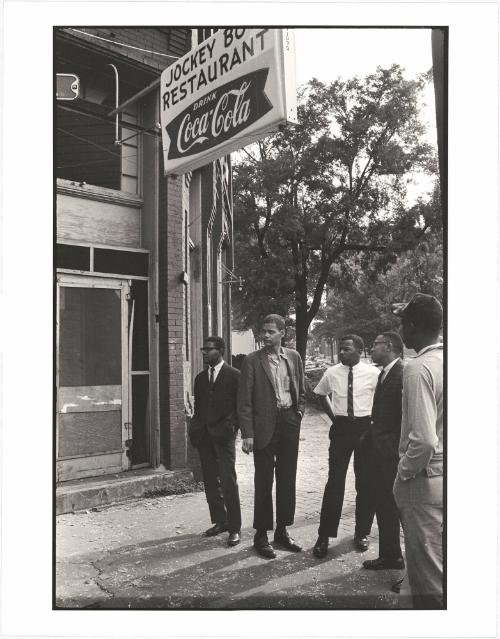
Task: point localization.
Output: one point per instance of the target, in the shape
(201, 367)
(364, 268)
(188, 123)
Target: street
(150, 553)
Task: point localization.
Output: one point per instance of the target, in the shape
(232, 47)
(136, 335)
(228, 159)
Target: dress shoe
(284, 540)
(361, 542)
(263, 547)
(384, 564)
(233, 539)
(321, 547)
(216, 530)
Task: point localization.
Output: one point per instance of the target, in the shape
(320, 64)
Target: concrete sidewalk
(150, 553)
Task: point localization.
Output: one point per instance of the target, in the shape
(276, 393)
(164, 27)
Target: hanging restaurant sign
(234, 88)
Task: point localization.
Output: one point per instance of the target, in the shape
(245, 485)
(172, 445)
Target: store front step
(94, 492)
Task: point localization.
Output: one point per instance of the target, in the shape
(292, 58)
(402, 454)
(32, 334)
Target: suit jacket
(257, 407)
(385, 429)
(215, 409)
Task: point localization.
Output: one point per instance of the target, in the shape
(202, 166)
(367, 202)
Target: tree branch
(260, 240)
(252, 159)
(361, 184)
(364, 247)
(320, 287)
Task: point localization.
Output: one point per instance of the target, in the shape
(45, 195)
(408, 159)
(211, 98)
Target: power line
(93, 162)
(122, 44)
(99, 146)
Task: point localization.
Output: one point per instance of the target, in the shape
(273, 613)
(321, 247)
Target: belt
(283, 408)
(352, 419)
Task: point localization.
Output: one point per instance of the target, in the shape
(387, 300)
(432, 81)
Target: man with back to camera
(352, 385)
(383, 446)
(213, 431)
(418, 489)
(271, 403)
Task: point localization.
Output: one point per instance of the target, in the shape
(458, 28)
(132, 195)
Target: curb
(85, 494)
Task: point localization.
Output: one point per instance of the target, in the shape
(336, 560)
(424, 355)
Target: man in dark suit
(213, 431)
(271, 403)
(383, 444)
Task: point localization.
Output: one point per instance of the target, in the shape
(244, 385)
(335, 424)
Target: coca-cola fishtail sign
(234, 88)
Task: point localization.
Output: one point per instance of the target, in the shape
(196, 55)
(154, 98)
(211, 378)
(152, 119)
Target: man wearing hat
(418, 488)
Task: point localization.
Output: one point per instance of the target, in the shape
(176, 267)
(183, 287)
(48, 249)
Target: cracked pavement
(150, 553)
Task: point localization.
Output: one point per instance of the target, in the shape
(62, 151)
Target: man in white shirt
(352, 385)
(418, 489)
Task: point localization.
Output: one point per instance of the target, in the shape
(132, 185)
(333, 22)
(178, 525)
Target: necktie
(379, 382)
(350, 401)
(212, 371)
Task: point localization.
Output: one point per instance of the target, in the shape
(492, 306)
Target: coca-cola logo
(219, 115)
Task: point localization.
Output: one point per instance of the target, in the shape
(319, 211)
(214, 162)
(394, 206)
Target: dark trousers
(219, 476)
(345, 438)
(383, 470)
(280, 457)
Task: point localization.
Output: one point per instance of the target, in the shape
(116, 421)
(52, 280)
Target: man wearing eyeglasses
(213, 431)
(383, 448)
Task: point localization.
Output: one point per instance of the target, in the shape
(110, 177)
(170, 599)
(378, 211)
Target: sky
(338, 52)
(328, 53)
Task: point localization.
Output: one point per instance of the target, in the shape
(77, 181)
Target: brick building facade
(141, 258)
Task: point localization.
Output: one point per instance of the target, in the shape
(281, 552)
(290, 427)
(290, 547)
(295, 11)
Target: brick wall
(174, 199)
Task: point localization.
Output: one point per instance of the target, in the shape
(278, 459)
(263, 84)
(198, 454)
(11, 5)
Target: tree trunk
(301, 319)
(301, 331)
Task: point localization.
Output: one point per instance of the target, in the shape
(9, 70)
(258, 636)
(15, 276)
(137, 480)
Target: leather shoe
(263, 547)
(266, 551)
(233, 539)
(284, 540)
(216, 530)
(321, 547)
(361, 542)
(384, 564)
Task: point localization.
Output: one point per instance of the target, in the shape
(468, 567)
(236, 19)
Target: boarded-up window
(90, 351)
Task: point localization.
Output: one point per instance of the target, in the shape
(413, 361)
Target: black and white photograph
(256, 254)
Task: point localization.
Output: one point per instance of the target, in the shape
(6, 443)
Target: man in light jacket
(271, 403)
(418, 489)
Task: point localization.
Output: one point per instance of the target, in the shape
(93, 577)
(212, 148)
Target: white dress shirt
(216, 370)
(364, 380)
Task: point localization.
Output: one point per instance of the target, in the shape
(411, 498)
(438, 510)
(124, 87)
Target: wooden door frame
(113, 283)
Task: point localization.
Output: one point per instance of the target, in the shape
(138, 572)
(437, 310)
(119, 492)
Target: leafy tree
(323, 192)
(366, 307)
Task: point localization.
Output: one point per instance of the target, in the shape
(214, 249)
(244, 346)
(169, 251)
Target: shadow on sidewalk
(182, 572)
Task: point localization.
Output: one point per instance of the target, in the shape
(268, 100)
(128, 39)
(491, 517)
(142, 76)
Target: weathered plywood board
(67, 469)
(89, 433)
(83, 399)
(94, 222)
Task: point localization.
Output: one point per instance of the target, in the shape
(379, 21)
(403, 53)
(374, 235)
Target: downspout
(117, 102)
